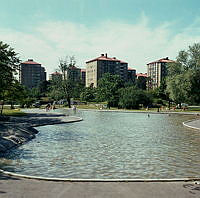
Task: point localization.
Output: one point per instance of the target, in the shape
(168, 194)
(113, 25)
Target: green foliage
(194, 92)
(9, 64)
(88, 94)
(179, 87)
(141, 82)
(107, 90)
(132, 98)
(183, 82)
(65, 88)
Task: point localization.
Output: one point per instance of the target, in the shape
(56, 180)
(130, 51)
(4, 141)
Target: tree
(15, 93)
(141, 82)
(108, 87)
(88, 94)
(182, 80)
(194, 92)
(65, 88)
(132, 97)
(9, 64)
(179, 87)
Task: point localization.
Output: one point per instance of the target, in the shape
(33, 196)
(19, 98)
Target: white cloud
(136, 43)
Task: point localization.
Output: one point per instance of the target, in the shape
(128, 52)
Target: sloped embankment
(19, 130)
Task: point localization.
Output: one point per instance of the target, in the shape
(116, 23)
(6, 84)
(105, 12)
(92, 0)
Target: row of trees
(182, 84)
(112, 90)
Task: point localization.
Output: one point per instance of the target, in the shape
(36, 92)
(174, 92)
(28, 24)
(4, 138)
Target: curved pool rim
(97, 180)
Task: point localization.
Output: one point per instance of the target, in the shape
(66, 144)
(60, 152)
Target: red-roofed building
(31, 73)
(157, 70)
(74, 73)
(131, 75)
(141, 75)
(55, 76)
(142, 80)
(97, 67)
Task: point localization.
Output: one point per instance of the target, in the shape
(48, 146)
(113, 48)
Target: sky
(135, 31)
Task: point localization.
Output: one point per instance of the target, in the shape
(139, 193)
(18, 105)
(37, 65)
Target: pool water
(109, 145)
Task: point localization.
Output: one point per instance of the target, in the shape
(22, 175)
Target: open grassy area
(13, 112)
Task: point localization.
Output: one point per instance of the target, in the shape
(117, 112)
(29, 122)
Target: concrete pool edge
(192, 179)
(189, 125)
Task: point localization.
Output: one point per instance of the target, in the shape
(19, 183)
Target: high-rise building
(83, 76)
(157, 70)
(56, 76)
(95, 69)
(73, 73)
(131, 75)
(31, 73)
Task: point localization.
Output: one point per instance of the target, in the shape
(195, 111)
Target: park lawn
(13, 112)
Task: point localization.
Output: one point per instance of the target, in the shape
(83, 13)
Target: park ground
(18, 187)
(14, 187)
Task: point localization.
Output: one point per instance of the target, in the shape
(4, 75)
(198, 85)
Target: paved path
(13, 187)
(193, 124)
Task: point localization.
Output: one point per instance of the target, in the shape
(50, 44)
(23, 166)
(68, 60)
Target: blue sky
(137, 31)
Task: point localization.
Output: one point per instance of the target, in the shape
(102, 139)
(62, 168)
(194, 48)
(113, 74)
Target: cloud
(137, 44)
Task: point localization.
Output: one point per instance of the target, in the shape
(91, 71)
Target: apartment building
(83, 76)
(97, 67)
(131, 75)
(73, 73)
(31, 74)
(157, 70)
(56, 76)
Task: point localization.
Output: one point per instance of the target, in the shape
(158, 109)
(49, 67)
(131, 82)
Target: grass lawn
(13, 112)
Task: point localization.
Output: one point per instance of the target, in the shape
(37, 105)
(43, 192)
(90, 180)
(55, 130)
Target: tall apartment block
(95, 69)
(56, 76)
(83, 76)
(31, 73)
(157, 70)
(73, 73)
(131, 75)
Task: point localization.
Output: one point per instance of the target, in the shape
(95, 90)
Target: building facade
(31, 74)
(56, 76)
(83, 76)
(131, 75)
(73, 73)
(156, 71)
(97, 67)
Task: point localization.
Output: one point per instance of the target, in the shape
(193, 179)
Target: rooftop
(104, 57)
(56, 73)
(141, 75)
(83, 70)
(131, 69)
(31, 62)
(162, 60)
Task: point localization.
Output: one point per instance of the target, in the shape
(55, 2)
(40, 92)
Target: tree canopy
(9, 65)
(183, 82)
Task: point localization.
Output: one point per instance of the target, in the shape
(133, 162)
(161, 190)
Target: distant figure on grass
(148, 116)
(74, 108)
(48, 106)
(54, 105)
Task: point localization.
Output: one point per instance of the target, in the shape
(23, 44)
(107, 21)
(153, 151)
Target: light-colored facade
(156, 71)
(31, 74)
(97, 67)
